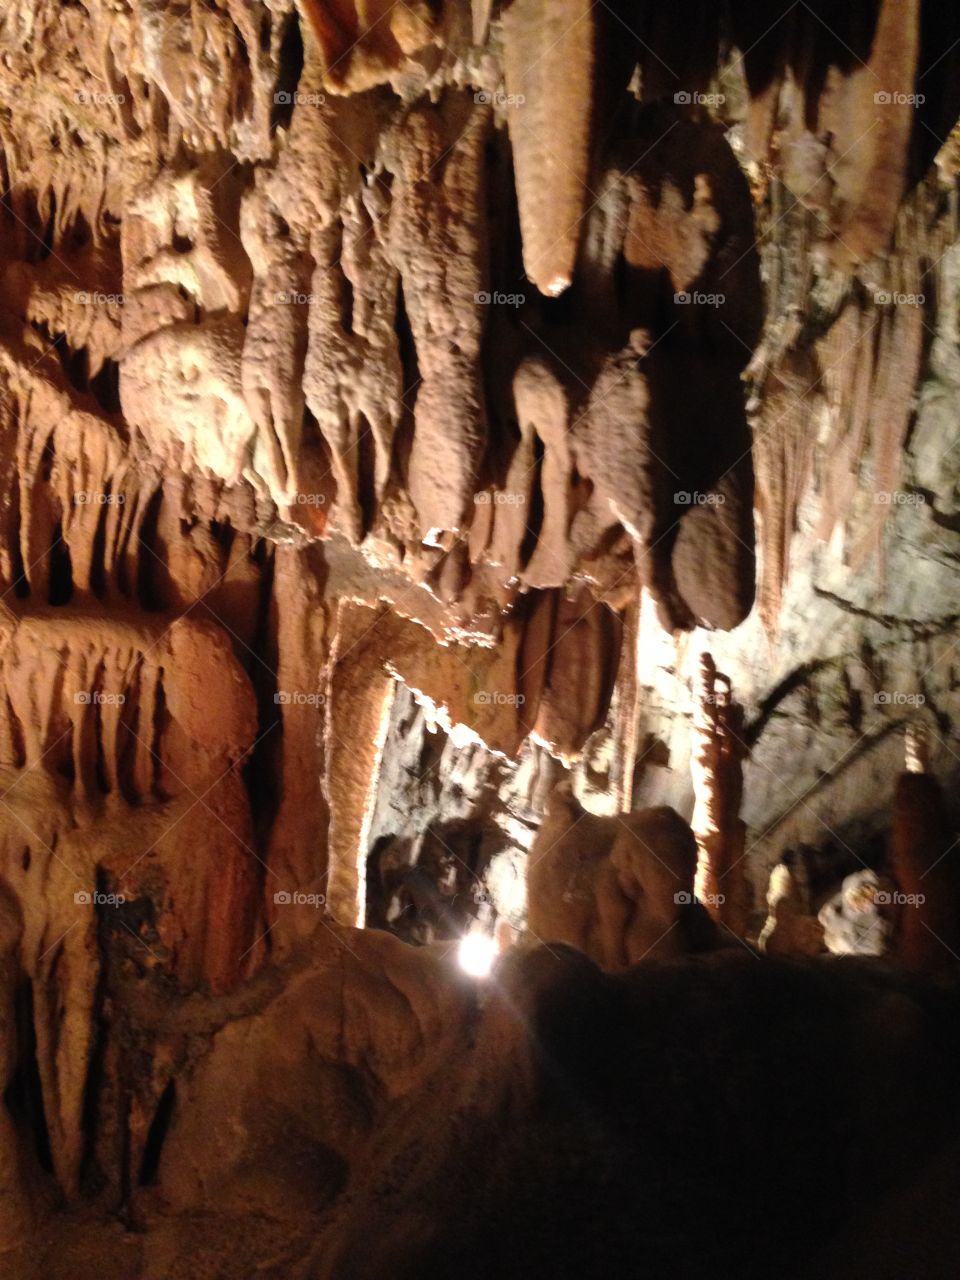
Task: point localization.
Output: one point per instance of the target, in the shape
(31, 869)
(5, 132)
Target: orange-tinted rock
(619, 889)
(923, 862)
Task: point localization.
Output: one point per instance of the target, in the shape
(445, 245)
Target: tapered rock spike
(549, 65)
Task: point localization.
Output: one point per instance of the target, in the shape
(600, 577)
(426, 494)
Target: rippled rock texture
(445, 448)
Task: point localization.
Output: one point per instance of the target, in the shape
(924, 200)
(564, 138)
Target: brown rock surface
(397, 402)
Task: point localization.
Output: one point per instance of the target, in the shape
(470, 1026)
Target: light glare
(476, 954)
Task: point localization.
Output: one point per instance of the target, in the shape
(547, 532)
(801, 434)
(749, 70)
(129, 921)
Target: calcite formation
(619, 889)
(470, 469)
(716, 764)
(921, 842)
(857, 920)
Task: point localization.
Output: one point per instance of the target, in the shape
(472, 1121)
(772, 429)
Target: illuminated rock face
(399, 403)
(618, 889)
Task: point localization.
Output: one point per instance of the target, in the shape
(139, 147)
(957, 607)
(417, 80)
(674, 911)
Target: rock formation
(619, 889)
(469, 470)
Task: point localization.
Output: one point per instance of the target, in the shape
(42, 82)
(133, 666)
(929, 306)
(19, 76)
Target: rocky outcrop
(618, 889)
(608, 1084)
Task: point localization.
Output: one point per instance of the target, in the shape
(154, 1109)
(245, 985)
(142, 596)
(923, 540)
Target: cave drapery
(472, 469)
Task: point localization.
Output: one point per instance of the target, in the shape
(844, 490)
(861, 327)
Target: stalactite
(549, 69)
(840, 136)
(359, 356)
(359, 691)
(437, 243)
(783, 443)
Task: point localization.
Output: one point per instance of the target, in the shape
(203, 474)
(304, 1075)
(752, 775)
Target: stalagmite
(857, 920)
(923, 862)
(716, 762)
(791, 927)
(619, 889)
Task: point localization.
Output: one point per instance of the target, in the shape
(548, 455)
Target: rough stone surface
(487, 469)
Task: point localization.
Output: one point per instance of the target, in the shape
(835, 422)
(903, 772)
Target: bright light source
(476, 954)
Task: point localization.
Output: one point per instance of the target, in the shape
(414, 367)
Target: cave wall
(393, 392)
(853, 637)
